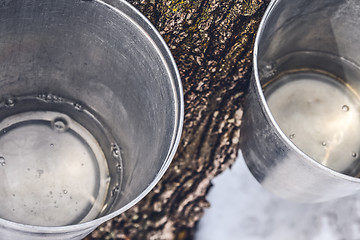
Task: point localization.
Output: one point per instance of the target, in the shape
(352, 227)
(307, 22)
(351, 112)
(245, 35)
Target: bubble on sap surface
(59, 124)
(115, 150)
(42, 96)
(354, 154)
(65, 191)
(345, 108)
(324, 143)
(115, 190)
(55, 98)
(78, 106)
(2, 161)
(118, 168)
(10, 102)
(292, 136)
(49, 97)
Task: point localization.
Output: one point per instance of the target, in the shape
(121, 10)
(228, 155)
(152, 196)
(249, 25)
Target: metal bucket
(300, 134)
(91, 113)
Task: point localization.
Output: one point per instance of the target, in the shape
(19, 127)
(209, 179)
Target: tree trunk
(211, 41)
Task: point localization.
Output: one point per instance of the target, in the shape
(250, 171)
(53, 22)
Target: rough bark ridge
(211, 41)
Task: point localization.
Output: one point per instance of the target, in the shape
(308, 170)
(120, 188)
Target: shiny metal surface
(107, 55)
(321, 36)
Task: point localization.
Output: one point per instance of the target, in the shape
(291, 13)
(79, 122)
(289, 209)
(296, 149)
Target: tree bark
(211, 41)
